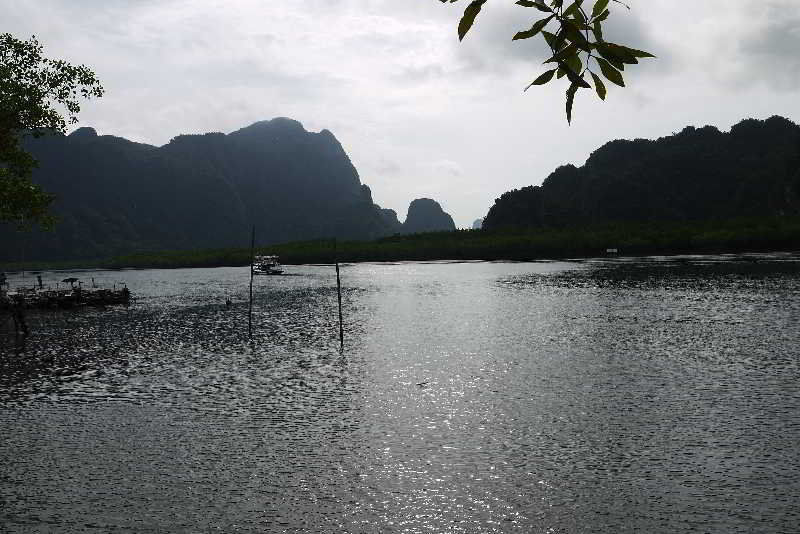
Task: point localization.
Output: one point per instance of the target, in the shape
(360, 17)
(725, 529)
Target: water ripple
(621, 395)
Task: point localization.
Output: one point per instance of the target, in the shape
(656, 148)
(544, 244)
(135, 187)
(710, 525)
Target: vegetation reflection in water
(618, 395)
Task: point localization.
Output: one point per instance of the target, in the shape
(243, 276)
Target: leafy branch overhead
(35, 94)
(579, 51)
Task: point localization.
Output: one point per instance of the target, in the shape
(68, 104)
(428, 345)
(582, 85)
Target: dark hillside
(426, 215)
(697, 174)
(114, 196)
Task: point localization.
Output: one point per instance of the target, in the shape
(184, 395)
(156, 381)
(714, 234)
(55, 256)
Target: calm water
(648, 395)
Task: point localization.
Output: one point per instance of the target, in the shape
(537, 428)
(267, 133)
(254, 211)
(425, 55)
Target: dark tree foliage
(748, 234)
(35, 94)
(694, 175)
(579, 50)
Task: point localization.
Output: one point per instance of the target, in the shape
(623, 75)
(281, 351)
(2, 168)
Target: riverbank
(629, 239)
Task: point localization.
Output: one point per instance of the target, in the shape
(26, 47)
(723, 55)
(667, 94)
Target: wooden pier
(17, 301)
(43, 299)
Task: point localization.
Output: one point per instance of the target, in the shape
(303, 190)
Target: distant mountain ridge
(697, 174)
(115, 196)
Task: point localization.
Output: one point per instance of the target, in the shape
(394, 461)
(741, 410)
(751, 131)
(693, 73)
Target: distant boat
(267, 265)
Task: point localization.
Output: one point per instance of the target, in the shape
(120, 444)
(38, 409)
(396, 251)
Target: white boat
(267, 265)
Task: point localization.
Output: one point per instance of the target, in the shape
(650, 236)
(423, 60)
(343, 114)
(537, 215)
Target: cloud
(768, 50)
(386, 166)
(423, 73)
(447, 168)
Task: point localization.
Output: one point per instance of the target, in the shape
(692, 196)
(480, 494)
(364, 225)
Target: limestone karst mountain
(426, 215)
(697, 174)
(114, 196)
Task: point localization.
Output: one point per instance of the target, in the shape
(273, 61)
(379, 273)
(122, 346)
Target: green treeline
(705, 237)
(694, 175)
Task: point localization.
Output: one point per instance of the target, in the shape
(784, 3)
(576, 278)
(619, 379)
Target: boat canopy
(266, 259)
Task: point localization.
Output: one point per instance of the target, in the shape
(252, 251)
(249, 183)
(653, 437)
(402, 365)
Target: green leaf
(599, 86)
(574, 34)
(469, 17)
(541, 6)
(535, 29)
(621, 53)
(609, 55)
(556, 42)
(550, 38)
(542, 79)
(573, 76)
(570, 101)
(572, 9)
(611, 74)
(599, 7)
(598, 31)
(636, 53)
(574, 63)
(566, 52)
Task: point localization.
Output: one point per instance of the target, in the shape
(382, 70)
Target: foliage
(35, 93)
(21, 200)
(735, 235)
(740, 235)
(577, 44)
(750, 234)
(697, 174)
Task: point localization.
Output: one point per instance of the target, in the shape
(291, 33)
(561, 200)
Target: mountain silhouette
(115, 196)
(426, 215)
(697, 174)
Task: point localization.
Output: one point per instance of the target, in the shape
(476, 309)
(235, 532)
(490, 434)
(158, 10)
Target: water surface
(625, 395)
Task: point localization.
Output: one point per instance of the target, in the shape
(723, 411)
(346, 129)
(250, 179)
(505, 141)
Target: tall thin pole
(23, 252)
(252, 258)
(339, 295)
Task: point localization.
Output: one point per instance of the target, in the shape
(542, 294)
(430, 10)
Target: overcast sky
(420, 114)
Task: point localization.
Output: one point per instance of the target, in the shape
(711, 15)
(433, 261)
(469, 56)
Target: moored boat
(267, 265)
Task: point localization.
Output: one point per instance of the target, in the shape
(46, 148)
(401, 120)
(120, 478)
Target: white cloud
(767, 48)
(448, 168)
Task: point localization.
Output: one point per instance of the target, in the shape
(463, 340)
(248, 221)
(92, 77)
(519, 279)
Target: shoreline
(739, 236)
(45, 267)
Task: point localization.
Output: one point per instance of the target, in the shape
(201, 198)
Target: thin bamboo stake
(339, 295)
(23, 252)
(252, 258)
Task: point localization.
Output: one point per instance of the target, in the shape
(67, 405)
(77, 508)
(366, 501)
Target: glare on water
(624, 395)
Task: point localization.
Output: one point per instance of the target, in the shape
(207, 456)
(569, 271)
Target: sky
(419, 114)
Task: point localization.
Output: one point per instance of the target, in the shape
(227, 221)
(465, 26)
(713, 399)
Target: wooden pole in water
(252, 258)
(339, 295)
(23, 251)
